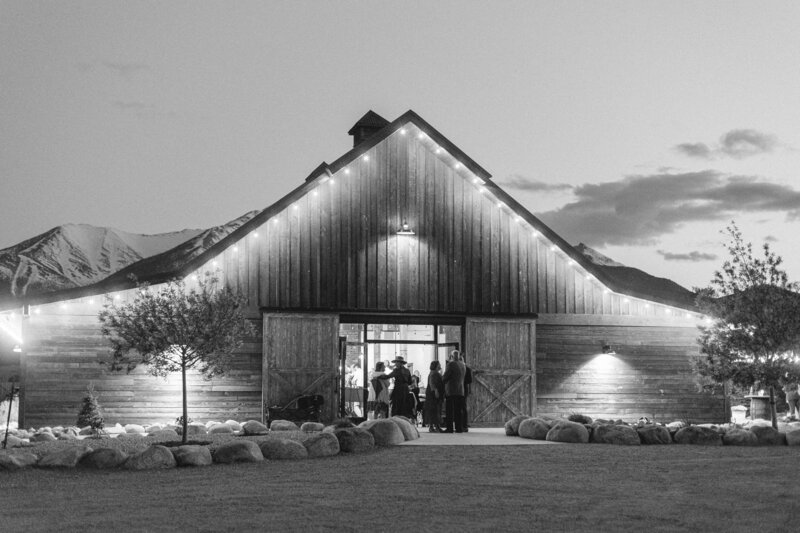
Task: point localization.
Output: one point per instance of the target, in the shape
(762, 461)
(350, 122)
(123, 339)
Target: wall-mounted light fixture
(17, 348)
(405, 229)
(608, 350)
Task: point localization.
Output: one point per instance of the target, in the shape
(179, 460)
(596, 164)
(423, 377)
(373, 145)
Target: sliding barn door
(300, 356)
(502, 355)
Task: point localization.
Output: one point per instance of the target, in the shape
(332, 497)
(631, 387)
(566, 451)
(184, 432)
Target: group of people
(449, 389)
(452, 388)
(404, 396)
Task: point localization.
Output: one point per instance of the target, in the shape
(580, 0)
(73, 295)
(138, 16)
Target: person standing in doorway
(378, 399)
(401, 401)
(453, 379)
(434, 395)
(467, 389)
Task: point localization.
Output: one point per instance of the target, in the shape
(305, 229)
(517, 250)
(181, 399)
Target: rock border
(568, 429)
(46, 447)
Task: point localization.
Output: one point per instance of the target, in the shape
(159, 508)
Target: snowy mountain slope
(75, 255)
(170, 261)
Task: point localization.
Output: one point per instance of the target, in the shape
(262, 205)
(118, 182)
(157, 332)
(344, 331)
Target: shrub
(89, 414)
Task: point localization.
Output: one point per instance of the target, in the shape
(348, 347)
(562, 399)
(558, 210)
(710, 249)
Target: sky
(639, 128)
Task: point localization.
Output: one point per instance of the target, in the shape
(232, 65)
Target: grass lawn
(429, 488)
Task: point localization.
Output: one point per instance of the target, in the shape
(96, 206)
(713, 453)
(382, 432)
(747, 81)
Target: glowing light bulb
(438, 150)
(235, 248)
(365, 157)
(402, 131)
(347, 171)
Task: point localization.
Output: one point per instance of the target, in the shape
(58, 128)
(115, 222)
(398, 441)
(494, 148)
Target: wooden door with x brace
(300, 358)
(502, 355)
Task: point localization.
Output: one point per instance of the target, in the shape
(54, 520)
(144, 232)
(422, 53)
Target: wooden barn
(402, 246)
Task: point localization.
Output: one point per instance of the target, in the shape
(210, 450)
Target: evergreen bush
(89, 414)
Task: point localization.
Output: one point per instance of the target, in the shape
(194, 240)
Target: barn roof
(184, 259)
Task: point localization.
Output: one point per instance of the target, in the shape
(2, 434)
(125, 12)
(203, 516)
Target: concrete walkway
(475, 437)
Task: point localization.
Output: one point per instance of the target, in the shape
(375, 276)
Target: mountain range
(78, 255)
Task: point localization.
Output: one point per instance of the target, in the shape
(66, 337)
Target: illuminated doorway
(363, 344)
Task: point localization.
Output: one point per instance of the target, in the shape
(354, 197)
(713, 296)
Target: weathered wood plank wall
(337, 247)
(650, 375)
(300, 358)
(63, 350)
(501, 354)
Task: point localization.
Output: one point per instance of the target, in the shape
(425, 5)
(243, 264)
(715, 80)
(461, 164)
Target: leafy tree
(89, 414)
(174, 328)
(753, 335)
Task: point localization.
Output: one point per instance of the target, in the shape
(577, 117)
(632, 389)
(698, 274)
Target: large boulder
(354, 440)
(566, 431)
(530, 428)
(703, 436)
(134, 428)
(195, 429)
(103, 458)
(234, 425)
(155, 457)
(220, 429)
(238, 451)
(64, 458)
(793, 437)
(283, 425)
(512, 426)
(165, 435)
(615, 434)
(322, 445)
(130, 436)
(739, 437)
(312, 427)
(192, 455)
(283, 449)
(652, 434)
(409, 431)
(385, 432)
(15, 460)
(254, 427)
(43, 436)
(768, 436)
(13, 441)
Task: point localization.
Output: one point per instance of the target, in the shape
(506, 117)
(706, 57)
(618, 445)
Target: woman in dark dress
(401, 401)
(434, 394)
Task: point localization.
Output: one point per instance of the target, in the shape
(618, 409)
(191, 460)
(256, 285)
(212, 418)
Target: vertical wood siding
(501, 354)
(336, 248)
(300, 355)
(63, 350)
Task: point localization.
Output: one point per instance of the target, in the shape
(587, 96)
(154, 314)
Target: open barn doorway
(364, 343)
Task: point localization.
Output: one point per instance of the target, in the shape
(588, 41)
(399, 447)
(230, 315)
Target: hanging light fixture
(405, 229)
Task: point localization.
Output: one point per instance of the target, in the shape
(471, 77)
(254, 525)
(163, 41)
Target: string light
(314, 193)
(332, 182)
(501, 205)
(365, 157)
(438, 150)
(421, 135)
(255, 235)
(347, 171)
(402, 131)
(457, 165)
(235, 248)
(295, 207)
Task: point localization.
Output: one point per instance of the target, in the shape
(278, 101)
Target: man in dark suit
(467, 389)
(454, 392)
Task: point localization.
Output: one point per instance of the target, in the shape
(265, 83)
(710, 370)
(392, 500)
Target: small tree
(89, 414)
(175, 328)
(754, 333)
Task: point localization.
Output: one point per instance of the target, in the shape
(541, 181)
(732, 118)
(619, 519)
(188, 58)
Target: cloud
(638, 210)
(522, 183)
(738, 144)
(693, 256)
(695, 150)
